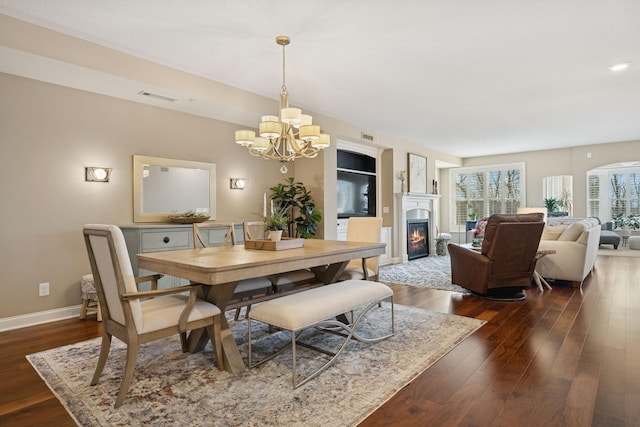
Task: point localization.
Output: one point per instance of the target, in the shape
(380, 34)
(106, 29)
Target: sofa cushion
(552, 233)
(593, 221)
(583, 239)
(573, 231)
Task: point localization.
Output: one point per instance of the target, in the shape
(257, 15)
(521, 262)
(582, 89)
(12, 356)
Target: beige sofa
(576, 247)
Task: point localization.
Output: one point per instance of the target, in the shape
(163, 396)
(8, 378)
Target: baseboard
(38, 318)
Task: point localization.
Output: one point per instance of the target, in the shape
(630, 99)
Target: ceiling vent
(368, 138)
(156, 96)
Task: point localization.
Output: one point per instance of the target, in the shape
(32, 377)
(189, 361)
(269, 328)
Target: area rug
(428, 272)
(172, 388)
(623, 251)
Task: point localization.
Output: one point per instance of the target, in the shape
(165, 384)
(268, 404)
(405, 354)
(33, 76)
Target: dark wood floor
(566, 357)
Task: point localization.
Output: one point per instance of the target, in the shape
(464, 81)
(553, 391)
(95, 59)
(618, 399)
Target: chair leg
(246, 312)
(99, 313)
(83, 309)
(237, 315)
(102, 360)
(129, 368)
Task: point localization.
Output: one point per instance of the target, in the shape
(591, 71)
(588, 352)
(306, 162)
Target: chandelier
(288, 136)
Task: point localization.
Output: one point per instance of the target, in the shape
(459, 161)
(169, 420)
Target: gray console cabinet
(170, 237)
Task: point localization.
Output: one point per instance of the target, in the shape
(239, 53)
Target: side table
(536, 276)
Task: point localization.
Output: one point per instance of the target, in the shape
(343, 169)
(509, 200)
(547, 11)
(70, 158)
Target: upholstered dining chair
(363, 229)
(254, 230)
(136, 317)
(505, 263)
(245, 289)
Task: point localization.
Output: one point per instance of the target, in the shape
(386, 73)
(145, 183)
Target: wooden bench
(321, 307)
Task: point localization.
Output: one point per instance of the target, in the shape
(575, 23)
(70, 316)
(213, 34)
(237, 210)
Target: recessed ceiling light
(620, 66)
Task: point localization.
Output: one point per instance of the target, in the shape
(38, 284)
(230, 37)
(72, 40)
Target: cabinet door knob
(166, 239)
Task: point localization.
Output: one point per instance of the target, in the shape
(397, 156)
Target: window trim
(484, 169)
(604, 185)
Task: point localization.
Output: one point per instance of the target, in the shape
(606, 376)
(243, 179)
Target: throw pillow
(573, 231)
(552, 233)
(481, 225)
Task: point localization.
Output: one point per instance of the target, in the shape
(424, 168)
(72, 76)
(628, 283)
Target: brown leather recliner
(507, 259)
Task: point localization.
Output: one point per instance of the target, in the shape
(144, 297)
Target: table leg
(330, 273)
(220, 295)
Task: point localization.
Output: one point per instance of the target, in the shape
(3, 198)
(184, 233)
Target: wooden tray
(268, 245)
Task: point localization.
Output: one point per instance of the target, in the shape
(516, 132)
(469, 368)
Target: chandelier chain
(284, 86)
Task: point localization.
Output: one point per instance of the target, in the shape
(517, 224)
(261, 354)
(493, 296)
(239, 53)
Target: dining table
(221, 267)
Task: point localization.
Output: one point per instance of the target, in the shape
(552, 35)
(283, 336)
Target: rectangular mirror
(167, 186)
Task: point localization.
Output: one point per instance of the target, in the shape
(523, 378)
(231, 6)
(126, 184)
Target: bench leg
(351, 334)
(331, 326)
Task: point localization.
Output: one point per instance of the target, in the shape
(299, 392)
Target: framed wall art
(417, 168)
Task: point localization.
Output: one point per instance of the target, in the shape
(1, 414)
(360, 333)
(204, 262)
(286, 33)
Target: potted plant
(296, 202)
(551, 204)
(632, 222)
(626, 225)
(441, 245)
(276, 223)
(402, 176)
(618, 221)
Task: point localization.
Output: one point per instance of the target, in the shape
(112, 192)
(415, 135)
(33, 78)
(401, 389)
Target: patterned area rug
(172, 388)
(428, 272)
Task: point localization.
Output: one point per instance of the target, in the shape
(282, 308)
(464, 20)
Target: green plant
(193, 214)
(618, 221)
(630, 222)
(551, 204)
(294, 199)
(278, 220)
(633, 222)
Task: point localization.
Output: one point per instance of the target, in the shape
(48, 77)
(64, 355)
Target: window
(483, 191)
(593, 198)
(613, 192)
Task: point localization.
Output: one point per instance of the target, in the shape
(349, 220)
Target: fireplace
(413, 206)
(417, 238)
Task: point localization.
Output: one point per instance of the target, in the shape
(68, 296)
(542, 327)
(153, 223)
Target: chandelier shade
(289, 136)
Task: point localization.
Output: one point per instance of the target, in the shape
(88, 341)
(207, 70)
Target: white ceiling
(465, 77)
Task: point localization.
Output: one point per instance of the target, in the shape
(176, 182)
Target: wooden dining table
(222, 267)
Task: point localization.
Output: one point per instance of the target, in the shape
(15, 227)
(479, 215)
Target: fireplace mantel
(416, 205)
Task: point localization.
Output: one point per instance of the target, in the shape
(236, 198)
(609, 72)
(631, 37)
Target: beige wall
(576, 161)
(48, 134)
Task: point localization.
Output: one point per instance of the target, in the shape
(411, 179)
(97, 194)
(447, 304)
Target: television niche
(356, 190)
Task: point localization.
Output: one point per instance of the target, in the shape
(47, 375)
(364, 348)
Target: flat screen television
(356, 194)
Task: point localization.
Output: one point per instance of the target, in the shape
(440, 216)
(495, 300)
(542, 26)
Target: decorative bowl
(187, 219)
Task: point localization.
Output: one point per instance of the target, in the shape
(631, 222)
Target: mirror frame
(138, 165)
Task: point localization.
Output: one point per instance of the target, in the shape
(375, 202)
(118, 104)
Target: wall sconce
(94, 174)
(238, 183)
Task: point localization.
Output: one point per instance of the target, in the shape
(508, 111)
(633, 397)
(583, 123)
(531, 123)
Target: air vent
(366, 137)
(156, 96)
